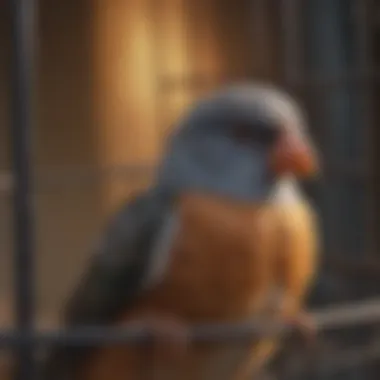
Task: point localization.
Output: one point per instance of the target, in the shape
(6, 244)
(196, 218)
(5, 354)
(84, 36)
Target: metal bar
(64, 179)
(348, 78)
(22, 19)
(331, 360)
(291, 44)
(257, 10)
(94, 336)
(140, 335)
(364, 63)
(311, 82)
(328, 319)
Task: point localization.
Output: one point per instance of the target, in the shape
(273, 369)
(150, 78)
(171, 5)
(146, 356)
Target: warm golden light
(138, 46)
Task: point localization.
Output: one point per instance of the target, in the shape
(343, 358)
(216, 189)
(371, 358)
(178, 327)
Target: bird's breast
(220, 267)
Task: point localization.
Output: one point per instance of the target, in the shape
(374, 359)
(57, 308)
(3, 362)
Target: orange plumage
(228, 260)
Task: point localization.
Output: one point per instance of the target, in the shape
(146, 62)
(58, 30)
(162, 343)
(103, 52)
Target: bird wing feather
(117, 275)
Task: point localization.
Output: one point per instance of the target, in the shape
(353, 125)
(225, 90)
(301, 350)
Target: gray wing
(115, 277)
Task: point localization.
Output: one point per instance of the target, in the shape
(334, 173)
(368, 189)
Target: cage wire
(328, 356)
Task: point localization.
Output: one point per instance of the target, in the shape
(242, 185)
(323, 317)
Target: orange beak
(293, 154)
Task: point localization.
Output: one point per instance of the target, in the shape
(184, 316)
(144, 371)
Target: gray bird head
(236, 143)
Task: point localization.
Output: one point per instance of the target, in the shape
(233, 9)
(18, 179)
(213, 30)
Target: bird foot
(169, 338)
(304, 327)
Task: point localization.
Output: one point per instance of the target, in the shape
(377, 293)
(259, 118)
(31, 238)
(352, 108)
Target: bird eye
(242, 133)
(251, 134)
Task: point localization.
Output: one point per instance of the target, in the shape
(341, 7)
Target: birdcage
(322, 51)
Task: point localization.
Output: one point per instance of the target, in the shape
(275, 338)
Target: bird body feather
(228, 263)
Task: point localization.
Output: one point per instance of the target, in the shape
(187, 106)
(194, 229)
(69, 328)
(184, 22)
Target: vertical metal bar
(291, 41)
(364, 66)
(22, 19)
(257, 11)
(326, 58)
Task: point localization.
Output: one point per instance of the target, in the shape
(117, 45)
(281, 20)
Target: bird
(223, 235)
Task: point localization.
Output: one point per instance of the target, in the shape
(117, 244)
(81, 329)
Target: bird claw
(169, 338)
(304, 326)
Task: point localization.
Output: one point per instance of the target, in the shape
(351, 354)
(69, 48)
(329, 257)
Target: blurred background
(112, 78)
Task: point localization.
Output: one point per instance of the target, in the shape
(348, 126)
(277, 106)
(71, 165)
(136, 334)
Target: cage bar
(291, 45)
(364, 64)
(22, 28)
